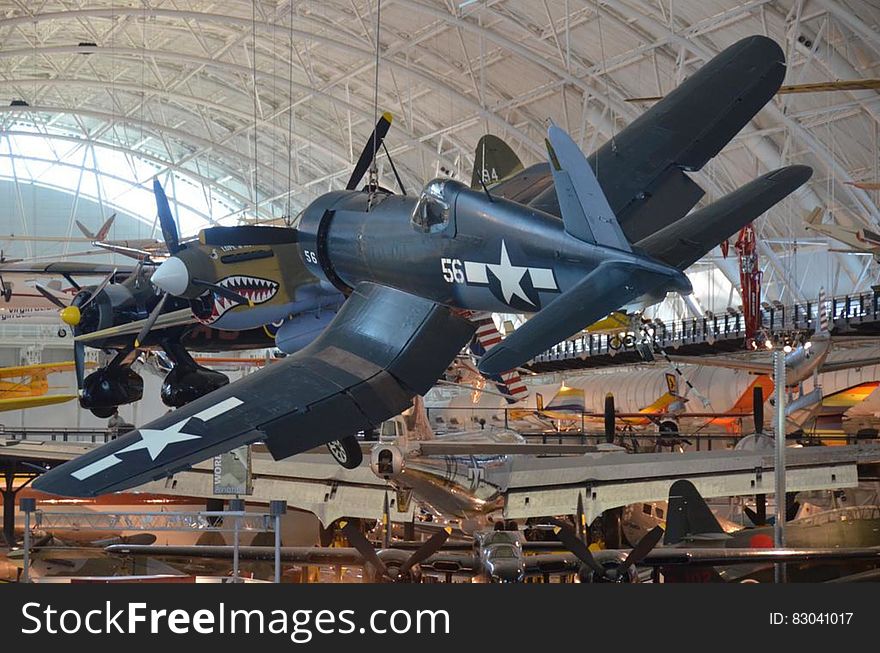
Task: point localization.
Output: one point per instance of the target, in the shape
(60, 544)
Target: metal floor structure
(849, 315)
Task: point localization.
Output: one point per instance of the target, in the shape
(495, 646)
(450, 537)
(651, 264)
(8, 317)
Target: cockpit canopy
(433, 211)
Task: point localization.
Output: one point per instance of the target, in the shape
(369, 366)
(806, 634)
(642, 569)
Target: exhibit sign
(232, 472)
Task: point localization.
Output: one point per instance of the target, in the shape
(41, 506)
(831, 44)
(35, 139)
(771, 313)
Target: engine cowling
(313, 232)
(107, 388)
(387, 461)
(184, 384)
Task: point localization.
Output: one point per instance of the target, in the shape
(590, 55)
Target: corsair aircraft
(554, 240)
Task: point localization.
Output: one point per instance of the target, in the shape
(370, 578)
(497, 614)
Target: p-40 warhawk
(553, 240)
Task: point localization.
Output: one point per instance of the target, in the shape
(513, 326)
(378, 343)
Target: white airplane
(860, 241)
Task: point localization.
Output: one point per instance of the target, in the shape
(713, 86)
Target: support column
(9, 505)
(276, 510)
(779, 467)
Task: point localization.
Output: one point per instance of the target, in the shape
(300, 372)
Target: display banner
(232, 472)
(431, 617)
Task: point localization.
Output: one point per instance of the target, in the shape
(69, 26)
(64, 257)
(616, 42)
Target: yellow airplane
(31, 386)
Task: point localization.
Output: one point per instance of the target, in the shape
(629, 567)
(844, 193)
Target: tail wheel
(347, 452)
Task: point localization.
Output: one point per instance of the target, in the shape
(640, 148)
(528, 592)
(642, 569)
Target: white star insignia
(155, 440)
(510, 277)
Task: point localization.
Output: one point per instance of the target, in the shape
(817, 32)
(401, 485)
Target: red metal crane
(750, 282)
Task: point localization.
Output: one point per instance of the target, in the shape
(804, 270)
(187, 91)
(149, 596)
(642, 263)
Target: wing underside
(382, 348)
(21, 403)
(642, 169)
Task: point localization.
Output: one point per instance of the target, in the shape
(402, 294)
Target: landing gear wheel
(104, 413)
(62, 333)
(347, 452)
(7, 293)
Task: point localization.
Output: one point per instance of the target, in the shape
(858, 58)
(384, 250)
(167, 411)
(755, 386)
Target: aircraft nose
(70, 315)
(171, 276)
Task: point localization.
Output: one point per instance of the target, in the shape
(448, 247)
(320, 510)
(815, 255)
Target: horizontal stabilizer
(607, 288)
(684, 242)
(104, 231)
(586, 214)
(85, 232)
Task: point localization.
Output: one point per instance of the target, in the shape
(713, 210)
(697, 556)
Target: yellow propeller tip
(448, 530)
(343, 524)
(136, 343)
(70, 315)
(387, 116)
(557, 530)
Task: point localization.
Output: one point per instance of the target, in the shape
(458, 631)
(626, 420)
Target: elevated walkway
(849, 315)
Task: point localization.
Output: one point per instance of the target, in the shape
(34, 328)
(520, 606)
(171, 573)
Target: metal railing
(58, 434)
(843, 312)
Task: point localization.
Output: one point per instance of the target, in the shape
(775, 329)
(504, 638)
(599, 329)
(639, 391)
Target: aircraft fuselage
(454, 246)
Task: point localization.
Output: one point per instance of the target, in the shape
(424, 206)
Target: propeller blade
(79, 362)
(166, 219)
(104, 283)
(48, 294)
(758, 408)
(609, 418)
(151, 320)
(640, 550)
(248, 235)
(369, 151)
(429, 548)
(358, 541)
(223, 291)
(570, 541)
(753, 516)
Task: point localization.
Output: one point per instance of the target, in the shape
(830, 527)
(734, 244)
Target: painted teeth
(257, 291)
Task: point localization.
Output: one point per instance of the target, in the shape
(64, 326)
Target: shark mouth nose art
(257, 290)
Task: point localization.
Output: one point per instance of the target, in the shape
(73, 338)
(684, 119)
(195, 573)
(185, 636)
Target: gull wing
(383, 347)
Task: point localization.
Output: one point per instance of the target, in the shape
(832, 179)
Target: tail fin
(88, 234)
(821, 314)
(688, 514)
(104, 231)
(418, 428)
(586, 213)
(494, 161)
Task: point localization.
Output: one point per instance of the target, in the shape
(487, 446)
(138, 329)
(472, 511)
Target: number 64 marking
(452, 271)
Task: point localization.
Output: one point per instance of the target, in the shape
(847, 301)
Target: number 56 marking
(452, 272)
